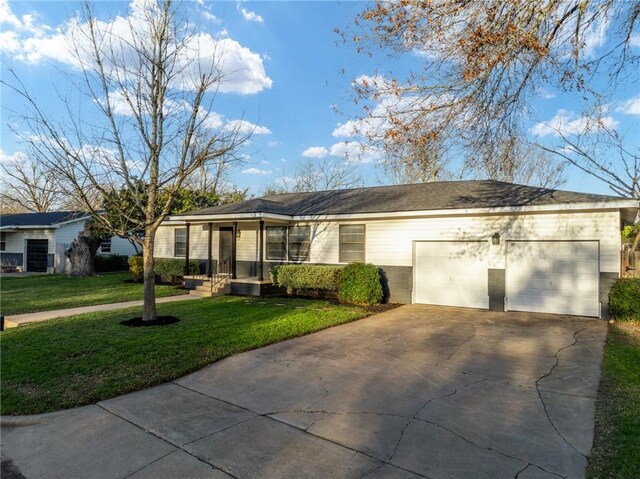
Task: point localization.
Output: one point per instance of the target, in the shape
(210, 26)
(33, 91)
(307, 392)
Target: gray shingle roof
(40, 219)
(418, 197)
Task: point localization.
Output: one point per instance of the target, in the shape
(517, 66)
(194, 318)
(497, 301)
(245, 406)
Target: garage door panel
(451, 274)
(562, 268)
(554, 277)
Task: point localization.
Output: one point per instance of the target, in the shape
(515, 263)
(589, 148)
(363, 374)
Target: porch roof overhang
(257, 216)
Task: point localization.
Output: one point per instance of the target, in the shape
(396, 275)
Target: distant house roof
(445, 195)
(40, 220)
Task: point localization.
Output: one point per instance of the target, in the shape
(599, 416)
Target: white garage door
(553, 277)
(451, 273)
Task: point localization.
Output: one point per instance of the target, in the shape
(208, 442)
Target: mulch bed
(160, 321)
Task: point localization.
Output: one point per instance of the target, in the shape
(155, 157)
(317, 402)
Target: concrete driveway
(419, 391)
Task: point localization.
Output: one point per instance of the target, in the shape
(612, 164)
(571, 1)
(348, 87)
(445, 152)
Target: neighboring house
(480, 244)
(36, 242)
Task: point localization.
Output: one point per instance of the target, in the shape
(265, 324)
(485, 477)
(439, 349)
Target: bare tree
(604, 155)
(30, 186)
(152, 90)
(478, 65)
(407, 162)
(318, 175)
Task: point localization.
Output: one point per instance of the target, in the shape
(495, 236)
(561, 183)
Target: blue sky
(295, 59)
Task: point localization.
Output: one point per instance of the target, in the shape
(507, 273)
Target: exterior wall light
(495, 239)
(238, 233)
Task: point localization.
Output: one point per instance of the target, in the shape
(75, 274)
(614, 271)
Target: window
(180, 242)
(352, 243)
(3, 241)
(299, 243)
(105, 246)
(277, 242)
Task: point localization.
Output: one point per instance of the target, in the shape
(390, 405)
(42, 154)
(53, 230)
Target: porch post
(233, 250)
(261, 252)
(186, 254)
(209, 257)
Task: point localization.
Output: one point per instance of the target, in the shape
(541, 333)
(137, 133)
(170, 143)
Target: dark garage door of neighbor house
(37, 253)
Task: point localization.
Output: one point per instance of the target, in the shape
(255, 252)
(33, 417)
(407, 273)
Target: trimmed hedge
(356, 283)
(171, 270)
(300, 276)
(168, 270)
(624, 299)
(360, 284)
(111, 262)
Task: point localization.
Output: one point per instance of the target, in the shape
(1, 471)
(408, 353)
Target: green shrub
(111, 262)
(168, 270)
(360, 284)
(302, 276)
(624, 299)
(136, 267)
(171, 270)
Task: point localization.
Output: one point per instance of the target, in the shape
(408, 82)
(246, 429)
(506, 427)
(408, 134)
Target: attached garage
(451, 273)
(37, 255)
(553, 277)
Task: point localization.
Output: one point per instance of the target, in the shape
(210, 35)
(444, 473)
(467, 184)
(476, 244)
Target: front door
(226, 245)
(37, 255)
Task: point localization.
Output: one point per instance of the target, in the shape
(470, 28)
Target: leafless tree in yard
(29, 186)
(318, 175)
(152, 91)
(480, 64)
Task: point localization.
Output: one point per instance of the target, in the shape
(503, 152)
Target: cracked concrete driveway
(419, 391)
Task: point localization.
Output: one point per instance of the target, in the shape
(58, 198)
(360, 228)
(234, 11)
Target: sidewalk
(21, 319)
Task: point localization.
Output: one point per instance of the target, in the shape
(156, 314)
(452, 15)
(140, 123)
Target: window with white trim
(299, 243)
(180, 242)
(352, 243)
(105, 246)
(276, 243)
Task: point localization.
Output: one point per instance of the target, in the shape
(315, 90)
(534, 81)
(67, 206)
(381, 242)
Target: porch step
(202, 287)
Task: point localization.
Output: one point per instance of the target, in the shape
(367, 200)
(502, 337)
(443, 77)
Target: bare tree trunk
(149, 312)
(82, 254)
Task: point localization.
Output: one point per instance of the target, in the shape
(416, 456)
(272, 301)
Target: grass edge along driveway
(84, 359)
(48, 292)
(616, 447)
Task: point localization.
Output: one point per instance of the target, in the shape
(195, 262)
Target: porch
(231, 257)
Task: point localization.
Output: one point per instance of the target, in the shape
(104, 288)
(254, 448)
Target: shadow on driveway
(419, 391)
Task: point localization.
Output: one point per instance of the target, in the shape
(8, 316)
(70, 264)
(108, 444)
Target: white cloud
(356, 152)
(242, 71)
(245, 127)
(274, 143)
(249, 16)
(630, 106)
(210, 17)
(634, 41)
(8, 158)
(315, 152)
(7, 16)
(568, 123)
(257, 171)
(595, 36)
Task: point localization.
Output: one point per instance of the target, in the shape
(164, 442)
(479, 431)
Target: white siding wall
(67, 233)
(389, 242)
(122, 246)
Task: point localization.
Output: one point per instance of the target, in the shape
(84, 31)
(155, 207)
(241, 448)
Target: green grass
(84, 359)
(57, 291)
(616, 450)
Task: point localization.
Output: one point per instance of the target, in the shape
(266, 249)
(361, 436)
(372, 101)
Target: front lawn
(616, 448)
(80, 360)
(58, 291)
